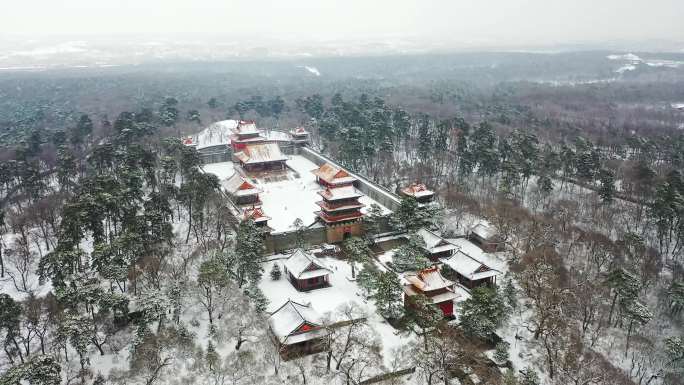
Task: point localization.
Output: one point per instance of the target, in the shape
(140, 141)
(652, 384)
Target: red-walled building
(330, 176)
(430, 283)
(418, 191)
(297, 330)
(261, 157)
(306, 272)
(241, 191)
(341, 212)
(245, 133)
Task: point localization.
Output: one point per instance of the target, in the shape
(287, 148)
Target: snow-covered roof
(448, 295)
(468, 266)
(303, 265)
(256, 214)
(428, 279)
(333, 175)
(417, 190)
(276, 136)
(238, 186)
(484, 230)
(287, 323)
(331, 208)
(246, 127)
(299, 131)
(434, 243)
(346, 192)
(260, 153)
(214, 135)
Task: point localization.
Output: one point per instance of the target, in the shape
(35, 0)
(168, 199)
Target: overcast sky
(501, 22)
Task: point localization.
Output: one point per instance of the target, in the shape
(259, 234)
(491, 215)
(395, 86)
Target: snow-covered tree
(501, 352)
(357, 251)
(411, 255)
(529, 376)
(387, 295)
(482, 312)
(275, 272)
(38, 370)
(243, 263)
(213, 285)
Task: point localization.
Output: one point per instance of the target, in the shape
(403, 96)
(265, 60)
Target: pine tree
(10, 318)
(275, 272)
(411, 255)
(257, 297)
(368, 278)
(674, 349)
(243, 263)
(509, 293)
(357, 251)
(483, 312)
(675, 296)
(625, 287)
(39, 370)
(501, 352)
(371, 221)
(607, 189)
(529, 377)
(387, 295)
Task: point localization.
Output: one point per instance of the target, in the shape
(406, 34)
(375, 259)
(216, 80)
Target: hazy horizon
(499, 23)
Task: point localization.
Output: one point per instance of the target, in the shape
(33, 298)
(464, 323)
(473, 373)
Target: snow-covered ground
(216, 134)
(494, 260)
(327, 300)
(222, 170)
(288, 199)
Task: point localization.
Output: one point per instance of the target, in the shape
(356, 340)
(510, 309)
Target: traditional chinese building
(306, 272)
(430, 283)
(341, 212)
(241, 191)
(331, 176)
(245, 133)
(486, 237)
(435, 246)
(297, 330)
(256, 214)
(419, 192)
(261, 157)
(299, 135)
(471, 272)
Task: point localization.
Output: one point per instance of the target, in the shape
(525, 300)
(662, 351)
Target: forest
(121, 263)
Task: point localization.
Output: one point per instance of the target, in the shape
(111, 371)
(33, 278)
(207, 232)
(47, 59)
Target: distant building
(261, 157)
(306, 272)
(245, 133)
(430, 283)
(418, 191)
(241, 191)
(435, 246)
(331, 176)
(341, 212)
(299, 135)
(470, 271)
(297, 330)
(486, 237)
(256, 214)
